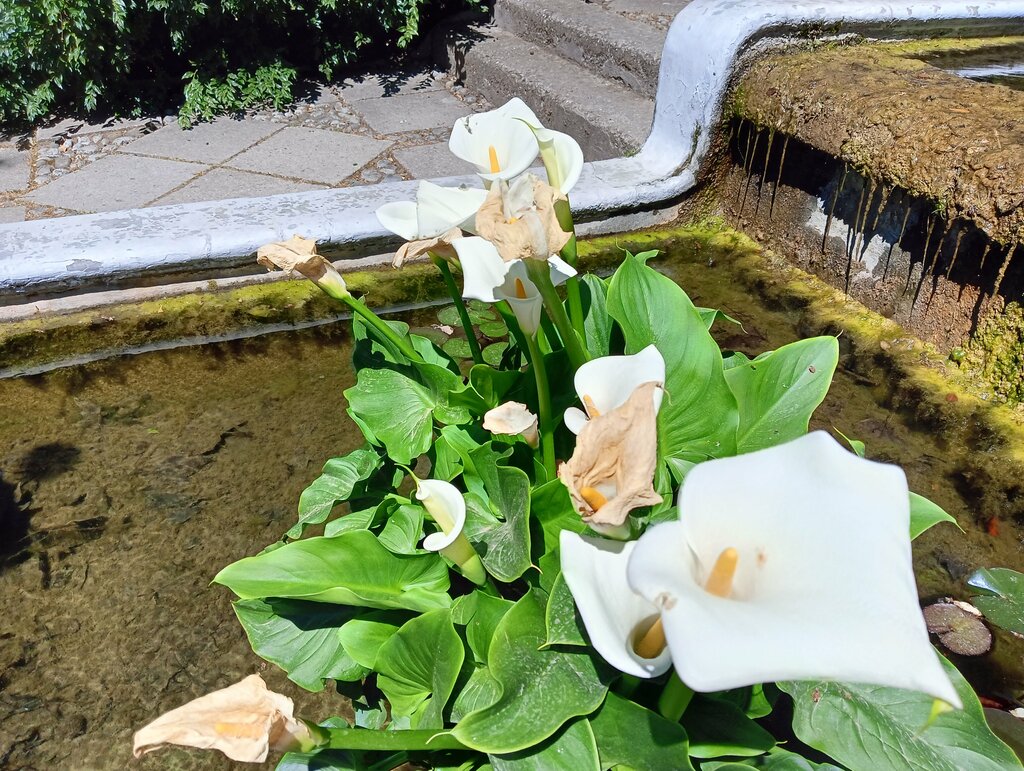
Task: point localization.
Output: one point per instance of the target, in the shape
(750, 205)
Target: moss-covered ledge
(912, 376)
(898, 120)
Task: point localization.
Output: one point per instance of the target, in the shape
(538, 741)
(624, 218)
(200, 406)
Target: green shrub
(205, 56)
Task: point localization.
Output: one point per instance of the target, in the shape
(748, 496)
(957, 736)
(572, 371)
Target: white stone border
(704, 44)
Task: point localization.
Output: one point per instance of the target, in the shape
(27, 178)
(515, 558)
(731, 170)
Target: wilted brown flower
(612, 469)
(520, 220)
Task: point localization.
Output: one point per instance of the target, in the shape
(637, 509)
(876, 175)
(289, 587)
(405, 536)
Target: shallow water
(126, 484)
(1003, 65)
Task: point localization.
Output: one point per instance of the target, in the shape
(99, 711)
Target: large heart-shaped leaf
(631, 735)
(499, 524)
(301, 638)
(335, 484)
(540, 689)
(777, 392)
(572, 748)
(349, 569)
(869, 727)
(418, 668)
(1002, 598)
(397, 410)
(698, 416)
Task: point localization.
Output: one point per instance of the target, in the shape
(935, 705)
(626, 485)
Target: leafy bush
(128, 56)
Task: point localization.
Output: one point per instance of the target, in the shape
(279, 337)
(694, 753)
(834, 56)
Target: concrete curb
(703, 48)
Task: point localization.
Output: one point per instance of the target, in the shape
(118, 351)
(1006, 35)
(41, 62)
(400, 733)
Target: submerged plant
(531, 597)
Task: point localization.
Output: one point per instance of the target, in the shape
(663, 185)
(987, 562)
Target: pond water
(128, 483)
(1003, 65)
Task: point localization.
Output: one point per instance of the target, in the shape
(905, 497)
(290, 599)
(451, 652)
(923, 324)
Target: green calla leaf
(480, 614)
(777, 759)
(396, 409)
(335, 484)
(553, 509)
(1001, 598)
(597, 324)
(301, 638)
(896, 728)
(718, 727)
(403, 530)
(711, 315)
(480, 691)
(924, 514)
(501, 522)
(698, 416)
(572, 748)
(360, 520)
(631, 735)
(363, 637)
(564, 626)
(777, 393)
(418, 667)
(349, 569)
(540, 689)
(318, 760)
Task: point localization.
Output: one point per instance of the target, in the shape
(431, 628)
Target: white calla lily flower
(499, 142)
(607, 382)
(436, 210)
(447, 508)
(433, 221)
(615, 616)
(490, 279)
(790, 563)
(562, 157)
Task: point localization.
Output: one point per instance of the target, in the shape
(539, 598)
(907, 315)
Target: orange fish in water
(992, 527)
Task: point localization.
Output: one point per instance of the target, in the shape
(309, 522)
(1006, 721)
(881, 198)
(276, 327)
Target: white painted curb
(704, 44)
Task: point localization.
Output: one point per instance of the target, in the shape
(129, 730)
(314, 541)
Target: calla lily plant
(666, 513)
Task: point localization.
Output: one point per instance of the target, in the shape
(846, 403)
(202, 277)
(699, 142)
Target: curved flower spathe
(521, 221)
(615, 616)
(514, 419)
(490, 279)
(820, 567)
(608, 381)
(611, 471)
(562, 157)
(500, 142)
(245, 721)
(433, 221)
(447, 508)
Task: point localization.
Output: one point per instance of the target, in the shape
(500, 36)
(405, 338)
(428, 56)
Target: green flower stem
(571, 255)
(547, 336)
(547, 434)
(512, 324)
(675, 698)
(460, 306)
(572, 289)
(368, 739)
(540, 274)
(381, 328)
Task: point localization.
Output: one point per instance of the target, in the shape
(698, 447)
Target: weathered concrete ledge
(903, 123)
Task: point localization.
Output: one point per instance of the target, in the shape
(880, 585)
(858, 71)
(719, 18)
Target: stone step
(608, 119)
(604, 42)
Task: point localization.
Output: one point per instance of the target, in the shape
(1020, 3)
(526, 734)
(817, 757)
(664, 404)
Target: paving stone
(314, 155)
(427, 161)
(376, 85)
(12, 214)
(78, 127)
(115, 182)
(411, 112)
(218, 184)
(14, 167)
(204, 143)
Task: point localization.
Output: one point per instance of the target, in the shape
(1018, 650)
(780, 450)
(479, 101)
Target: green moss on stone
(997, 350)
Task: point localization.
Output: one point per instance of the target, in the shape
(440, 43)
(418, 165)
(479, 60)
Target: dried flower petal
(615, 455)
(441, 246)
(520, 220)
(513, 418)
(299, 254)
(244, 721)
